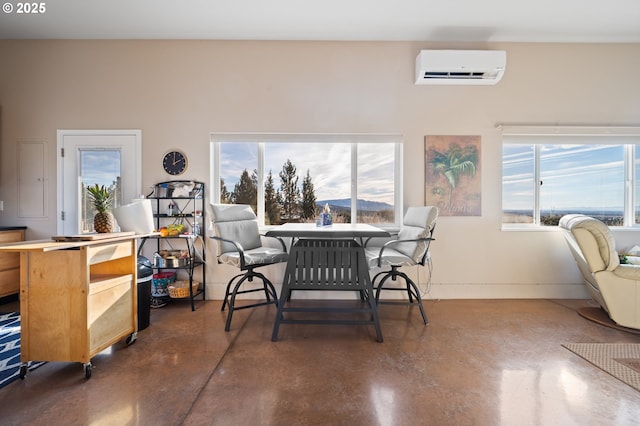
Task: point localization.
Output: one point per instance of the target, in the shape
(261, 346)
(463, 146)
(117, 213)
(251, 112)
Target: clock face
(174, 162)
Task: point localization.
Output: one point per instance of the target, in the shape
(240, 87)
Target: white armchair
(615, 286)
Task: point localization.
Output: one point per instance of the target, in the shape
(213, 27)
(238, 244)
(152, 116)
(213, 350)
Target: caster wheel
(87, 370)
(158, 302)
(131, 339)
(23, 371)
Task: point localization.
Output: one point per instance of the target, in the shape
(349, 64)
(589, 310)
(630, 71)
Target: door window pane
(102, 167)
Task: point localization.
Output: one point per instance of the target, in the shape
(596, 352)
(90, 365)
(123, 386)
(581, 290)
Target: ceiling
(575, 21)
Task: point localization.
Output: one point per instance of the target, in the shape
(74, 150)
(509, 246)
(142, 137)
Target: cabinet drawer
(9, 261)
(110, 309)
(11, 236)
(106, 252)
(9, 282)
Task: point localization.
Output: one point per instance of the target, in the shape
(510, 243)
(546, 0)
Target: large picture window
(291, 177)
(550, 172)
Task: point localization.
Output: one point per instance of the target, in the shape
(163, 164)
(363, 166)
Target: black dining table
(327, 258)
(337, 230)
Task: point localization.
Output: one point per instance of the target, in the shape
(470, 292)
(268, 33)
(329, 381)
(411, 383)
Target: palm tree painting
(452, 175)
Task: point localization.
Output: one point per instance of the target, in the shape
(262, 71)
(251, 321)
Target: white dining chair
(240, 244)
(409, 248)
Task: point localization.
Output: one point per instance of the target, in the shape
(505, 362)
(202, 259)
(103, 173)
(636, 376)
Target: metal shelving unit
(188, 197)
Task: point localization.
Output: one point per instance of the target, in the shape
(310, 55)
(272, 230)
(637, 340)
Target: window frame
(626, 136)
(349, 138)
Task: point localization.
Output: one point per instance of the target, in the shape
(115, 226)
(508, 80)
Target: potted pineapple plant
(101, 199)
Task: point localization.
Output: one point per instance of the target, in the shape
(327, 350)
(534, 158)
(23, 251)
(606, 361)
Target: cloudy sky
(99, 166)
(575, 177)
(327, 163)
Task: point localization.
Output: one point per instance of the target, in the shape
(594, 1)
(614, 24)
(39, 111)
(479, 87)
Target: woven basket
(180, 289)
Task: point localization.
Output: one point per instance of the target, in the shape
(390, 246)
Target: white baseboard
(507, 291)
(215, 291)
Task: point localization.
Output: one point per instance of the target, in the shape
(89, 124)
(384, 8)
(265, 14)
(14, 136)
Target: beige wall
(177, 92)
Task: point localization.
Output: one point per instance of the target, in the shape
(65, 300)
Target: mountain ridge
(363, 205)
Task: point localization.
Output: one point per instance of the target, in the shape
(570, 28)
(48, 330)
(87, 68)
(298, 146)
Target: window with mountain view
(547, 176)
(291, 180)
(586, 179)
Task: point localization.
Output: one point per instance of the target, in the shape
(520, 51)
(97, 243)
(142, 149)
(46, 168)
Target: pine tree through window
(291, 178)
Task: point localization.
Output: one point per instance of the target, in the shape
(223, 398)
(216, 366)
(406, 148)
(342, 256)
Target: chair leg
(379, 288)
(269, 289)
(232, 302)
(409, 293)
(267, 294)
(230, 296)
(411, 289)
(227, 291)
(373, 281)
(416, 293)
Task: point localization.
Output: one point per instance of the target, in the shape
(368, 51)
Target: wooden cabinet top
(51, 245)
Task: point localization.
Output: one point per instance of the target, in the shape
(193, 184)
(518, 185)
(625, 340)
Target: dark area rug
(600, 316)
(10, 348)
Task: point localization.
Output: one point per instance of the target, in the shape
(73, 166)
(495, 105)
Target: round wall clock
(174, 162)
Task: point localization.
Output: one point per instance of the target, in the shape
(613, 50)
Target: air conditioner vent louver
(460, 66)
(463, 75)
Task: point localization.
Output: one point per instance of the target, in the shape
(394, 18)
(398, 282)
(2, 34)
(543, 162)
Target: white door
(86, 157)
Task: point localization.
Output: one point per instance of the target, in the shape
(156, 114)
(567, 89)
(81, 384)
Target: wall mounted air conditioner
(459, 67)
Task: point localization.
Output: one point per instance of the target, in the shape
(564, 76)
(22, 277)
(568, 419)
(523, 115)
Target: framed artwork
(452, 174)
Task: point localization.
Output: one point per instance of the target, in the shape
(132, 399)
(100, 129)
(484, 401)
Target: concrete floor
(478, 362)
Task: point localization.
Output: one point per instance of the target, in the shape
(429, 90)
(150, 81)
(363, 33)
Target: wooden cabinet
(10, 263)
(76, 298)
